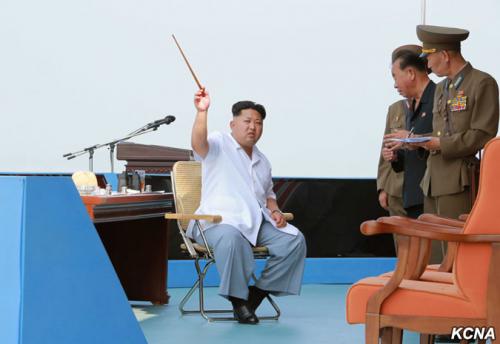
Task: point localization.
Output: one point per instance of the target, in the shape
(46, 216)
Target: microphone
(166, 120)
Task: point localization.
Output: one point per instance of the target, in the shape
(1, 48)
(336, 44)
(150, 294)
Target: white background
(77, 73)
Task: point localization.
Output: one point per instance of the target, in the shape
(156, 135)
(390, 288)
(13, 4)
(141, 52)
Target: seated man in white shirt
(237, 184)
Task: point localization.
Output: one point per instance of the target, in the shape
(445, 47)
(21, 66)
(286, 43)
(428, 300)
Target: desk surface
(124, 207)
(126, 198)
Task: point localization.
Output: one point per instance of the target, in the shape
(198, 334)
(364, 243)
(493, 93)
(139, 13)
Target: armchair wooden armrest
(209, 218)
(420, 248)
(418, 224)
(447, 262)
(187, 217)
(440, 220)
(419, 229)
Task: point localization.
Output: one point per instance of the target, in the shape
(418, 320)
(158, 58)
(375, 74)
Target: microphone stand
(112, 144)
(153, 126)
(89, 150)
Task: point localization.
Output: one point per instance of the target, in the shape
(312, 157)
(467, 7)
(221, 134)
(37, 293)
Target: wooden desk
(135, 235)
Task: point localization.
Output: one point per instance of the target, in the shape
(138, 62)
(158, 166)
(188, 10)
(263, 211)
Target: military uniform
(466, 113)
(465, 118)
(387, 179)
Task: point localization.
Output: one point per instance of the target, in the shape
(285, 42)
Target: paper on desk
(132, 191)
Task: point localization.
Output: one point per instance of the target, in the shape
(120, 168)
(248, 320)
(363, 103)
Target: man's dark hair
(248, 104)
(408, 58)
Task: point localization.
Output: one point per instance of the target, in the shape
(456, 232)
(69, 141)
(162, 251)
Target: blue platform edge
(182, 274)
(58, 284)
(11, 237)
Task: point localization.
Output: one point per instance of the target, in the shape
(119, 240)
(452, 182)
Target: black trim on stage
(329, 213)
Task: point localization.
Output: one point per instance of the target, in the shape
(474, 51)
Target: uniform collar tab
(457, 80)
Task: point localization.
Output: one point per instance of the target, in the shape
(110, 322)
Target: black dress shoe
(255, 297)
(243, 313)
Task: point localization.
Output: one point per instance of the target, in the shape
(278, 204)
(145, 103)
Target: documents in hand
(412, 139)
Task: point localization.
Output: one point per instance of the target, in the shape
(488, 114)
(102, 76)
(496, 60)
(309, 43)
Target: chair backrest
(472, 261)
(84, 179)
(186, 186)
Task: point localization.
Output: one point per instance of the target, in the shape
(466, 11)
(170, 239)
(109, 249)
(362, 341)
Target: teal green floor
(317, 316)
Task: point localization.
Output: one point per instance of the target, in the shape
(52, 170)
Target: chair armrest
(424, 243)
(440, 220)
(184, 217)
(209, 218)
(419, 229)
(418, 224)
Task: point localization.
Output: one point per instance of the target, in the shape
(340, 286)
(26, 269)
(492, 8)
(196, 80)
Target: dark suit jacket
(414, 162)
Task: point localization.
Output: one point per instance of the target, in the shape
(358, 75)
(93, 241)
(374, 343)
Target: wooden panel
(151, 158)
(134, 232)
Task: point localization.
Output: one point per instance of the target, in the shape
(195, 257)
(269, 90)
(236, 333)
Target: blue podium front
(58, 284)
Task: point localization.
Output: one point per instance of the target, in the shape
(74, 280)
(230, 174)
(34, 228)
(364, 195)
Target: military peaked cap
(436, 38)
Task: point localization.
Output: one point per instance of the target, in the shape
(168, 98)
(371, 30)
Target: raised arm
(199, 141)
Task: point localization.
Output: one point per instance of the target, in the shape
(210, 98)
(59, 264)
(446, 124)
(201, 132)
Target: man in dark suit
(412, 81)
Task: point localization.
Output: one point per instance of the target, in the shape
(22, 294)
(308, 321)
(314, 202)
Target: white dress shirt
(236, 187)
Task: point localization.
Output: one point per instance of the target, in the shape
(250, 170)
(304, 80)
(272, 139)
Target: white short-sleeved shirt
(236, 187)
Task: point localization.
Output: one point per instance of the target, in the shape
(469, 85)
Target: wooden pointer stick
(187, 62)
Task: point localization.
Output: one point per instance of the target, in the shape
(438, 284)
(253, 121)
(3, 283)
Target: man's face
(437, 62)
(247, 127)
(403, 79)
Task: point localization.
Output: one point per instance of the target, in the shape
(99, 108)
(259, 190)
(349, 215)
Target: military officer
(390, 182)
(466, 113)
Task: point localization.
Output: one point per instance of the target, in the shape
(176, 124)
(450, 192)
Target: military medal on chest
(459, 103)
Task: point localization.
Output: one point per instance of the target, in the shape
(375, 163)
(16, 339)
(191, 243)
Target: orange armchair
(473, 297)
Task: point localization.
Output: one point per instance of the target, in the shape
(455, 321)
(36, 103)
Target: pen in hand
(411, 132)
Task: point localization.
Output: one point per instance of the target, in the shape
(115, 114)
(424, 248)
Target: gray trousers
(234, 259)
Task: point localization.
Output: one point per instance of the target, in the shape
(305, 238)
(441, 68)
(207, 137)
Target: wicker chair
(84, 179)
(186, 184)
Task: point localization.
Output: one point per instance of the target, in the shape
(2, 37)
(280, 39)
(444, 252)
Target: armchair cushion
(412, 298)
(430, 276)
